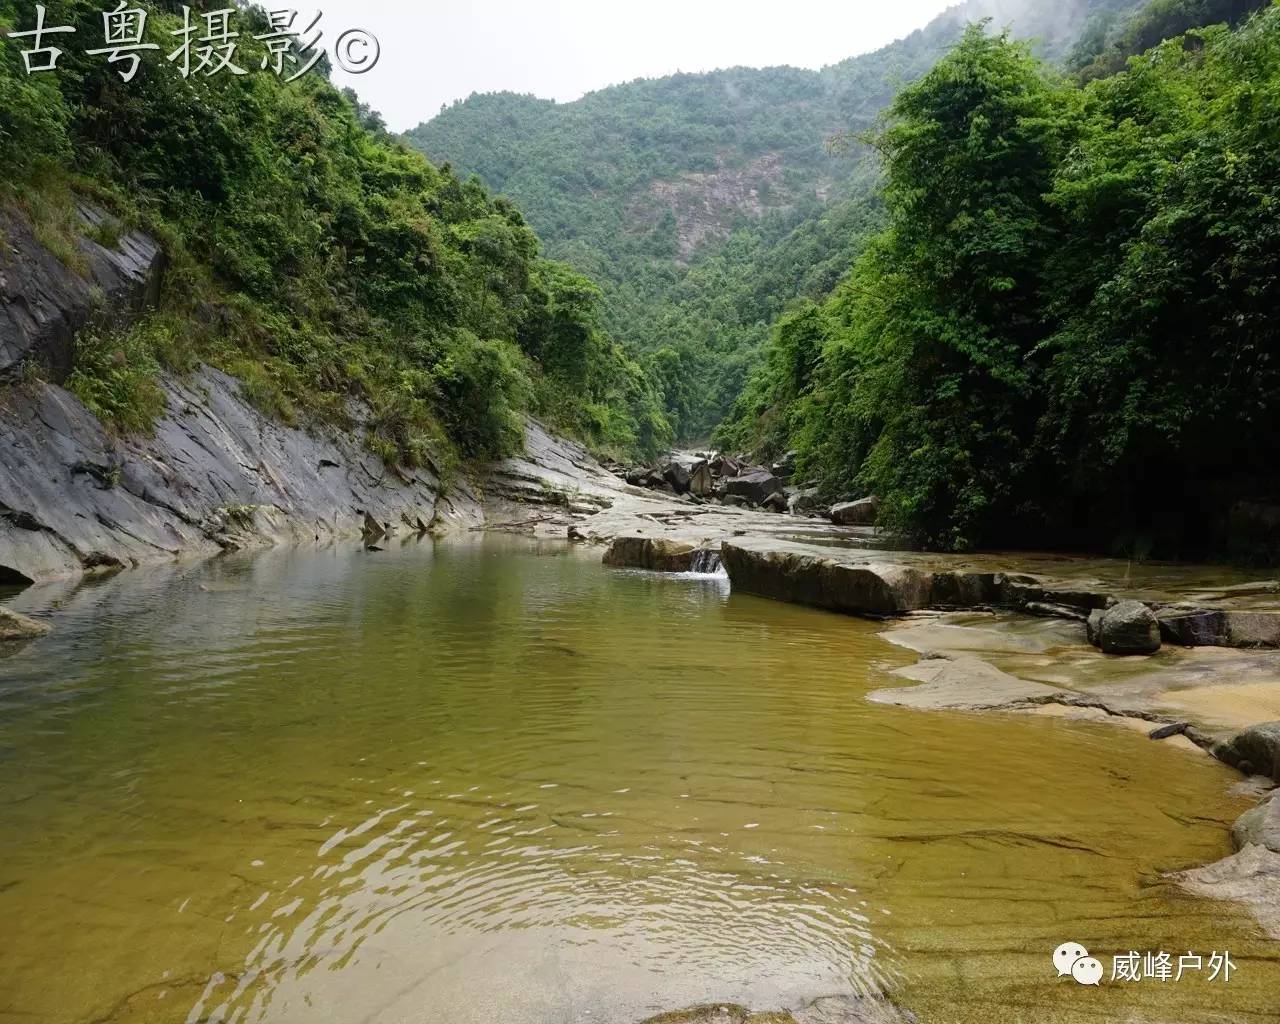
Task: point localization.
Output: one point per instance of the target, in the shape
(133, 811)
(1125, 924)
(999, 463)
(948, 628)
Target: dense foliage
(314, 257)
(1066, 331)
(705, 203)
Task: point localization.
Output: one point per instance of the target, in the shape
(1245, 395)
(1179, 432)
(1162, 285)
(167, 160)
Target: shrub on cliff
(310, 250)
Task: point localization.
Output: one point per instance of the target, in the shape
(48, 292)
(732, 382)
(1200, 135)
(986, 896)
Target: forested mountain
(1065, 332)
(703, 203)
(312, 256)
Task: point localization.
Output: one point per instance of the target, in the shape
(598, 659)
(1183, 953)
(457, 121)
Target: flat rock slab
(1250, 877)
(786, 571)
(960, 684)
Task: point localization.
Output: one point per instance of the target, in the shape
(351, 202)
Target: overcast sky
(436, 52)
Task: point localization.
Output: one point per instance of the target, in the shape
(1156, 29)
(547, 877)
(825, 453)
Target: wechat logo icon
(1073, 959)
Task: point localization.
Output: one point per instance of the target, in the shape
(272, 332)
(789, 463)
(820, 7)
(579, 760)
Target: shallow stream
(485, 780)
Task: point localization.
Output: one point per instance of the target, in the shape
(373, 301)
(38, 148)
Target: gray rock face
(657, 554)
(802, 500)
(1193, 627)
(1211, 627)
(1093, 626)
(1129, 627)
(15, 626)
(216, 474)
(1259, 826)
(755, 486)
(786, 572)
(701, 481)
(1255, 751)
(678, 476)
(1250, 877)
(962, 589)
(775, 502)
(43, 302)
(862, 512)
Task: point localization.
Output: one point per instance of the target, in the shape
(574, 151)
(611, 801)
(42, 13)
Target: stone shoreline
(1007, 640)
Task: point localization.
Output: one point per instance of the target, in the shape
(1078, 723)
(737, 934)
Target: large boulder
(775, 502)
(15, 626)
(1255, 751)
(803, 575)
(1259, 826)
(701, 482)
(678, 476)
(862, 512)
(804, 499)
(657, 554)
(725, 466)
(755, 486)
(1193, 627)
(1093, 626)
(1252, 628)
(1128, 627)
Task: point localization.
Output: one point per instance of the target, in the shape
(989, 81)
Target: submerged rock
(862, 512)
(1129, 627)
(826, 1010)
(15, 626)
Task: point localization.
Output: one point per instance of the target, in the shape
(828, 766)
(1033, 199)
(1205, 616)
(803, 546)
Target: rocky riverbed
(1189, 655)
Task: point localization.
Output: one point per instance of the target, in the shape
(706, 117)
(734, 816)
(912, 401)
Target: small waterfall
(707, 562)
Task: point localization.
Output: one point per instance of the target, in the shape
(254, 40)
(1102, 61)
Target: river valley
(486, 779)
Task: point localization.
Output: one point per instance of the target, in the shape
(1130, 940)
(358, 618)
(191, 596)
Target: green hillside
(704, 203)
(313, 256)
(1065, 331)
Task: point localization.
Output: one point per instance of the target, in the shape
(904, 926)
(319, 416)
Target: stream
(487, 780)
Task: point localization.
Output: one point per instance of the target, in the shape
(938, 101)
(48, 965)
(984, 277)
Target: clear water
(488, 781)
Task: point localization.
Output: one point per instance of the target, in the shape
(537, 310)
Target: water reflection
(492, 781)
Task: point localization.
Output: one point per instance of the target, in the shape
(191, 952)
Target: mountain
(704, 203)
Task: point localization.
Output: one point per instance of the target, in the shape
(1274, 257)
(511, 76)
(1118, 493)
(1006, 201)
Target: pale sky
(436, 52)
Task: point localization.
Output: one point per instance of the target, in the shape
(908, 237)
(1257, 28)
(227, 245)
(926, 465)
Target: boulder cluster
(714, 477)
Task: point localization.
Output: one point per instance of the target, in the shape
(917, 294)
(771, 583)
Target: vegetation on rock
(313, 256)
(1065, 332)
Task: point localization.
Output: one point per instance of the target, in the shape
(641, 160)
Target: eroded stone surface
(1260, 826)
(1250, 876)
(786, 571)
(43, 302)
(215, 474)
(658, 554)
